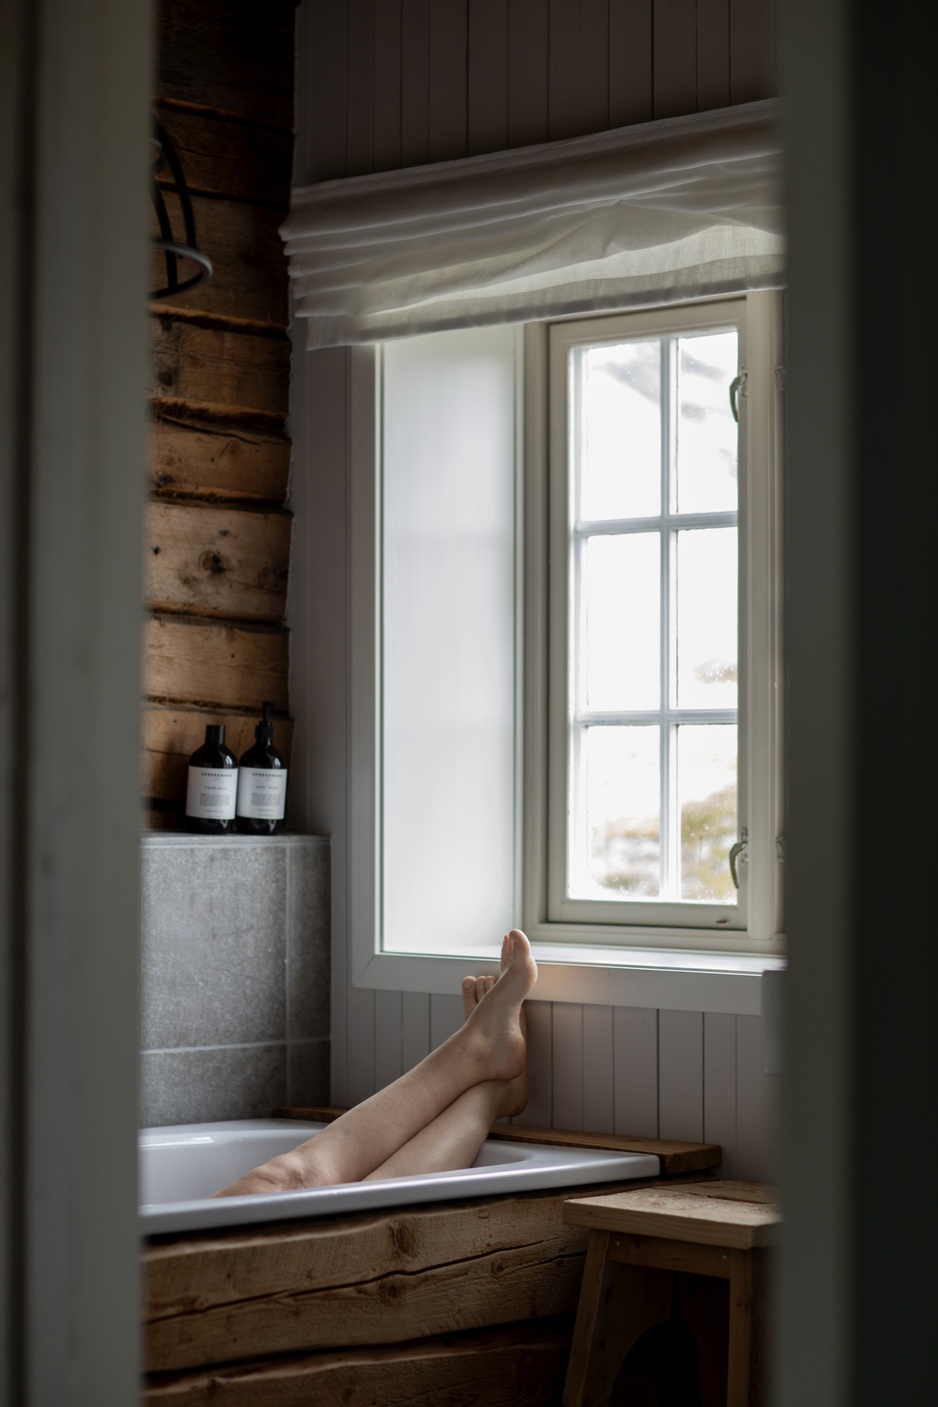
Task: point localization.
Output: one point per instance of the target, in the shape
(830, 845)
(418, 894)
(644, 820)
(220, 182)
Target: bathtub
(181, 1165)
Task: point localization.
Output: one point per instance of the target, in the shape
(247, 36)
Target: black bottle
(262, 783)
(213, 785)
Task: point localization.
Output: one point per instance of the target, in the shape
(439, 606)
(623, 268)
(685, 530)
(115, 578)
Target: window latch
(738, 852)
(737, 389)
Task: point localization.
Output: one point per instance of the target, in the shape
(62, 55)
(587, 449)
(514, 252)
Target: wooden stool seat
(638, 1240)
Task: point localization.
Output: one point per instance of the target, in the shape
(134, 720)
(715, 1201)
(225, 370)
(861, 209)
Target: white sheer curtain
(661, 212)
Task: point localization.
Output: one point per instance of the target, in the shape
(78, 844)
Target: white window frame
(674, 969)
(754, 926)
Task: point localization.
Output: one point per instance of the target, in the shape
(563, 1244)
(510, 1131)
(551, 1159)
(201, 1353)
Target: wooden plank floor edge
(675, 1156)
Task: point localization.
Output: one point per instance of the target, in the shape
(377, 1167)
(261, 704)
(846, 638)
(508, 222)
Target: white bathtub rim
(534, 1166)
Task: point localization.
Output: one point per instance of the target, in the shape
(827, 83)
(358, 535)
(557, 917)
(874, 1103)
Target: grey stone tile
(308, 1077)
(201, 1086)
(213, 944)
(308, 930)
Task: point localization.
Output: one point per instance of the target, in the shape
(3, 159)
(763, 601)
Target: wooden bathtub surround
(371, 1307)
(640, 1239)
(218, 533)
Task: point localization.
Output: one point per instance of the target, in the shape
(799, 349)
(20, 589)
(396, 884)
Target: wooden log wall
(218, 534)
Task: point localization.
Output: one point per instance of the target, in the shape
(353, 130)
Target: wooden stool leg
(617, 1304)
(747, 1314)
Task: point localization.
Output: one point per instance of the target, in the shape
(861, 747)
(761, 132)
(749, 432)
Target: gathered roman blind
(661, 212)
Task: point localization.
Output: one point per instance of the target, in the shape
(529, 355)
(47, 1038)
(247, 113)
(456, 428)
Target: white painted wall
(380, 86)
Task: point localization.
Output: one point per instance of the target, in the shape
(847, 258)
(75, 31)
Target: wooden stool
(638, 1240)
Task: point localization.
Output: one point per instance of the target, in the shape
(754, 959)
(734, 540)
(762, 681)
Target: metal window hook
(738, 852)
(737, 389)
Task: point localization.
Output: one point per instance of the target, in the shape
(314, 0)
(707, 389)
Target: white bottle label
(262, 793)
(210, 795)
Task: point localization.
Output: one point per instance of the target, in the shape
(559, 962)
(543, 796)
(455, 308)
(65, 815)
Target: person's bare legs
(454, 1137)
(488, 1048)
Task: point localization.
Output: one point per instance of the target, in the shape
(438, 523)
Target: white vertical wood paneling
(527, 72)
(415, 1036)
(598, 1069)
(635, 1061)
(567, 1065)
(539, 1112)
(325, 37)
(360, 1047)
(389, 1026)
(757, 1112)
(630, 69)
(719, 1073)
(674, 57)
(752, 50)
(713, 54)
(579, 67)
(488, 76)
(360, 135)
(680, 1074)
(447, 49)
(446, 1017)
(387, 85)
(415, 77)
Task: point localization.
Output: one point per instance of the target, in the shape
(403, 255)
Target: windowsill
(668, 979)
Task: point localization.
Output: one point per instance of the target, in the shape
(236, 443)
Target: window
(657, 795)
(566, 570)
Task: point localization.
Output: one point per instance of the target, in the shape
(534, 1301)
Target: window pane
(615, 848)
(706, 430)
(620, 430)
(706, 771)
(621, 590)
(707, 632)
(448, 656)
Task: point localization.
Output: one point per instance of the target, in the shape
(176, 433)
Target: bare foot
(495, 1020)
(515, 1096)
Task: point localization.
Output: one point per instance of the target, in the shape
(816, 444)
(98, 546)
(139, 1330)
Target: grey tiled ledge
(234, 974)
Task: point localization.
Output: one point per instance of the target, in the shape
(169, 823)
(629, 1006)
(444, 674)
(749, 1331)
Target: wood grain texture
(217, 561)
(229, 157)
(170, 734)
(249, 278)
(215, 664)
(219, 368)
(365, 1279)
(520, 1366)
(204, 459)
(235, 56)
(712, 1214)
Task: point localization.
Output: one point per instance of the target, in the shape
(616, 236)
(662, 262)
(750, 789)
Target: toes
(480, 989)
